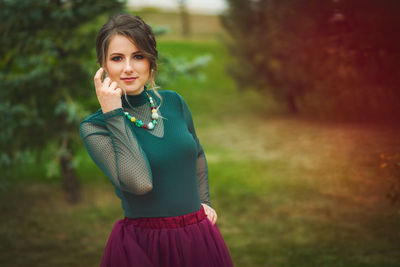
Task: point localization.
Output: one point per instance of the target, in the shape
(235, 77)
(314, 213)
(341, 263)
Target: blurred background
(296, 104)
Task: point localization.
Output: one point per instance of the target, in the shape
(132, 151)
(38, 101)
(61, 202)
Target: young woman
(145, 142)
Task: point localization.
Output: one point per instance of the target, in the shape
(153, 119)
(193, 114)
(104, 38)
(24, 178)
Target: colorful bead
(140, 123)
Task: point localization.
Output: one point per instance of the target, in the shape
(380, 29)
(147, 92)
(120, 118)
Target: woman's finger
(213, 220)
(97, 78)
(211, 216)
(207, 211)
(119, 91)
(106, 83)
(214, 217)
(205, 206)
(113, 85)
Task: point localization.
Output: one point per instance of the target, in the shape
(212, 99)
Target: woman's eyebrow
(121, 54)
(116, 53)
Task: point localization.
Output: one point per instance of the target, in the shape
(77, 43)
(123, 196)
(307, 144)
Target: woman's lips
(129, 80)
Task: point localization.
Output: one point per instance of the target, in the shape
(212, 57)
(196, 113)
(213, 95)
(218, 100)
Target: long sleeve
(115, 150)
(202, 168)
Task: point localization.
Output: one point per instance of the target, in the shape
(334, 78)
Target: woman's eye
(117, 58)
(138, 57)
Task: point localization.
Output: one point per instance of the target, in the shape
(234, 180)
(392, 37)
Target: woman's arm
(202, 168)
(115, 150)
(111, 143)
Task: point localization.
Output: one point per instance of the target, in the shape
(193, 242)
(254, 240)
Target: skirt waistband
(168, 222)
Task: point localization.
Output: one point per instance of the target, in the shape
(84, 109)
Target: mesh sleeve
(116, 151)
(202, 168)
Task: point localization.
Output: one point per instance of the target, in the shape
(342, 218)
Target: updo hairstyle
(135, 29)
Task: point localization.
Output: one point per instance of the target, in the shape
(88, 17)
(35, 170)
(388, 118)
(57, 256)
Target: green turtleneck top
(156, 173)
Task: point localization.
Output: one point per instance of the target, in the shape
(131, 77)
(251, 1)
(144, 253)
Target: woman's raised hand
(108, 94)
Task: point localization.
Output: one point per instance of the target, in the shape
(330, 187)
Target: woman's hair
(135, 29)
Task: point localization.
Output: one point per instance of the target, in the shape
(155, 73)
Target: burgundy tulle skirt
(188, 240)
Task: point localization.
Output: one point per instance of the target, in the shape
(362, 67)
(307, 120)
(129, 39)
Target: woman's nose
(129, 66)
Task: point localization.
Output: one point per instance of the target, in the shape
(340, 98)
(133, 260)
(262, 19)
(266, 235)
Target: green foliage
(339, 58)
(46, 72)
(171, 68)
(160, 30)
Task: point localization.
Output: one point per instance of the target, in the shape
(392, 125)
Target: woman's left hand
(210, 212)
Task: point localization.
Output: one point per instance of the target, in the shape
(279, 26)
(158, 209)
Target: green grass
(288, 191)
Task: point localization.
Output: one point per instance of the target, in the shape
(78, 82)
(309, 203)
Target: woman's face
(126, 65)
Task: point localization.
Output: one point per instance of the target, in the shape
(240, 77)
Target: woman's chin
(132, 90)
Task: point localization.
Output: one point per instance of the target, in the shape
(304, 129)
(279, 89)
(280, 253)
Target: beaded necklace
(141, 124)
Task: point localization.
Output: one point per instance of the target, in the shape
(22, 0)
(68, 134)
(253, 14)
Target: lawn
(289, 191)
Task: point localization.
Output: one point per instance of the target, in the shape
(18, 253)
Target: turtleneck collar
(136, 100)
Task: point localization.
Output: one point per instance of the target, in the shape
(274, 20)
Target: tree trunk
(71, 184)
(184, 18)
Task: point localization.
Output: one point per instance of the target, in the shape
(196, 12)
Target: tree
(342, 53)
(185, 20)
(262, 49)
(46, 72)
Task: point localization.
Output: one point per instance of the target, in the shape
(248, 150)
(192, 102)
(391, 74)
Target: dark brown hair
(135, 29)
